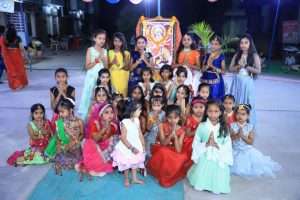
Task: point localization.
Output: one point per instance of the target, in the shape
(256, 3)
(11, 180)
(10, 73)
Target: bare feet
(126, 182)
(137, 181)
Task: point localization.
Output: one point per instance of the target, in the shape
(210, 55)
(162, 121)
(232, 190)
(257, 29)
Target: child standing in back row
(96, 59)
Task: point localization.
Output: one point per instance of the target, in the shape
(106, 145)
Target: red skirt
(166, 165)
(187, 148)
(15, 68)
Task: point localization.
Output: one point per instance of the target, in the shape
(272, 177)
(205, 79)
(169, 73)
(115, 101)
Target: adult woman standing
(14, 58)
(246, 65)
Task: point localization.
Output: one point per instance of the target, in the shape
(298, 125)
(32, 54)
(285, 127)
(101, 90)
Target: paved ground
(278, 124)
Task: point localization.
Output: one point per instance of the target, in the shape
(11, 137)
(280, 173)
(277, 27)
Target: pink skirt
(124, 163)
(93, 162)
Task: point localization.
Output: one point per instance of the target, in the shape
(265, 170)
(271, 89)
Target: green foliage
(203, 31)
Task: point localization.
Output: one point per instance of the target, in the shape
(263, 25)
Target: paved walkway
(278, 111)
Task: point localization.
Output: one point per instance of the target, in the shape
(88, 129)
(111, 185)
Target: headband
(202, 101)
(102, 109)
(244, 107)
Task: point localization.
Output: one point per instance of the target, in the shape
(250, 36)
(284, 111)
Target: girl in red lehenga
(192, 122)
(13, 55)
(99, 143)
(167, 163)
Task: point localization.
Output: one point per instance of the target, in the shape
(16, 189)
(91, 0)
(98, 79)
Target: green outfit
(210, 170)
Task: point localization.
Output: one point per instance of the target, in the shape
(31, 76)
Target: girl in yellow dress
(119, 60)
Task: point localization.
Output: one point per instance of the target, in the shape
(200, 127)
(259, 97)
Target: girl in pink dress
(99, 143)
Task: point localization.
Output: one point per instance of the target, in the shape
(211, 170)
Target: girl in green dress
(212, 153)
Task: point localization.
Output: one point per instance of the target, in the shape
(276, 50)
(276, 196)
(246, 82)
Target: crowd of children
(174, 127)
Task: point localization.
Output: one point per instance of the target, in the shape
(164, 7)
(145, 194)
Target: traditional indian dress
(166, 165)
(248, 161)
(14, 63)
(96, 154)
(151, 134)
(135, 74)
(90, 83)
(191, 123)
(191, 57)
(213, 78)
(124, 158)
(34, 155)
(210, 170)
(68, 144)
(119, 76)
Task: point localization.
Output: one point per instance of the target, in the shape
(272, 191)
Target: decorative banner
(135, 1)
(163, 35)
(7, 6)
(113, 1)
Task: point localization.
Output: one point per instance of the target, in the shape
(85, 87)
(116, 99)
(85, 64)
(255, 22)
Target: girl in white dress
(129, 153)
(96, 59)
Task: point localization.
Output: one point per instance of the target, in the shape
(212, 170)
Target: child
(166, 74)
(61, 91)
(189, 56)
(191, 124)
(96, 59)
(248, 161)
(212, 153)
(155, 117)
(129, 153)
(103, 80)
(147, 82)
(119, 60)
(228, 104)
(99, 143)
(181, 76)
(68, 137)
(159, 90)
(246, 65)
(204, 91)
(137, 95)
(39, 129)
(214, 67)
(167, 163)
(116, 98)
(101, 97)
(182, 99)
(140, 59)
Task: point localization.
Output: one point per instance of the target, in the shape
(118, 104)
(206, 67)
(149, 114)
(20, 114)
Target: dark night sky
(187, 11)
(124, 15)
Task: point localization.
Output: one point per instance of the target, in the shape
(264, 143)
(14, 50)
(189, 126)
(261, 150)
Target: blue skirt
(216, 83)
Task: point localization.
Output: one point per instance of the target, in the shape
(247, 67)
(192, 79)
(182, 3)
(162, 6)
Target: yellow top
(116, 60)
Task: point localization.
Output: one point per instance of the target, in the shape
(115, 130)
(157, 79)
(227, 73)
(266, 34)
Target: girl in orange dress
(189, 56)
(12, 52)
(192, 122)
(168, 161)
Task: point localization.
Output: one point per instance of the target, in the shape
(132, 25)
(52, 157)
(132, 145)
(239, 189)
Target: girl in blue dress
(247, 160)
(140, 59)
(214, 67)
(245, 65)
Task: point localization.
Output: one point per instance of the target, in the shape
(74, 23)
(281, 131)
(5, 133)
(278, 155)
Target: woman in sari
(12, 52)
